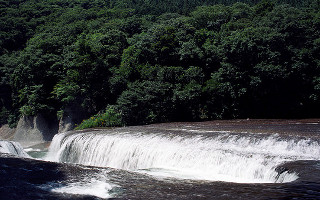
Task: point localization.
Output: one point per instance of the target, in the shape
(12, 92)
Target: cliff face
(35, 129)
(41, 128)
(6, 133)
(72, 115)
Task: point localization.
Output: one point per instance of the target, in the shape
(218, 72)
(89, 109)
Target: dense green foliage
(160, 61)
(110, 118)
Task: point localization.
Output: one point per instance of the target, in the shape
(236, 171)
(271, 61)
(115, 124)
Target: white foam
(220, 157)
(32, 149)
(94, 187)
(99, 187)
(13, 148)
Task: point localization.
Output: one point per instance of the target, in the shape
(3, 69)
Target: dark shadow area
(21, 179)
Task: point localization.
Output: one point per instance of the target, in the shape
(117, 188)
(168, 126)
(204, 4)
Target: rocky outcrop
(35, 129)
(6, 133)
(66, 124)
(72, 116)
(41, 128)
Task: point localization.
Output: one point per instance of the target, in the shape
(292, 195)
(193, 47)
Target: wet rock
(308, 170)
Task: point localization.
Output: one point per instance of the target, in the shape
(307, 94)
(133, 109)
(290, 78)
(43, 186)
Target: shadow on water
(22, 178)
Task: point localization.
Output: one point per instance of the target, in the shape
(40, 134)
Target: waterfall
(13, 148)
(215, 156)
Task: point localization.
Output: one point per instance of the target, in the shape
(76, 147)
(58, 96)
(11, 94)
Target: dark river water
(240, 159)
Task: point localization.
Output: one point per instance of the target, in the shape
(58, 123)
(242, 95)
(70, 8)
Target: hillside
(140, 62)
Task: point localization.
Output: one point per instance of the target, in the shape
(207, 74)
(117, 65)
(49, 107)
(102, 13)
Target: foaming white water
(13, 148)
(96, 186)
(218, 157)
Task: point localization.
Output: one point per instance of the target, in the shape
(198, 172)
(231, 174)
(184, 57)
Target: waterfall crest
(13, 148)
(219, 156)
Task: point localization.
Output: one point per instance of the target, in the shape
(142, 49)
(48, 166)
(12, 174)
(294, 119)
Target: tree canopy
(158, 61)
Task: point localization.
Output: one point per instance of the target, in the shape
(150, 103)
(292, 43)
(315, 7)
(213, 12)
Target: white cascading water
(98, 186)
(13, 148)
(218, 157)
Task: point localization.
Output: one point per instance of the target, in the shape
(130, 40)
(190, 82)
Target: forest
(130, 62)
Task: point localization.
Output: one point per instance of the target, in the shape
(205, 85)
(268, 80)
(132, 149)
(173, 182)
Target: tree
(145, 102)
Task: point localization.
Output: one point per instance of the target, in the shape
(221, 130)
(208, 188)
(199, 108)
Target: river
(236, 159)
